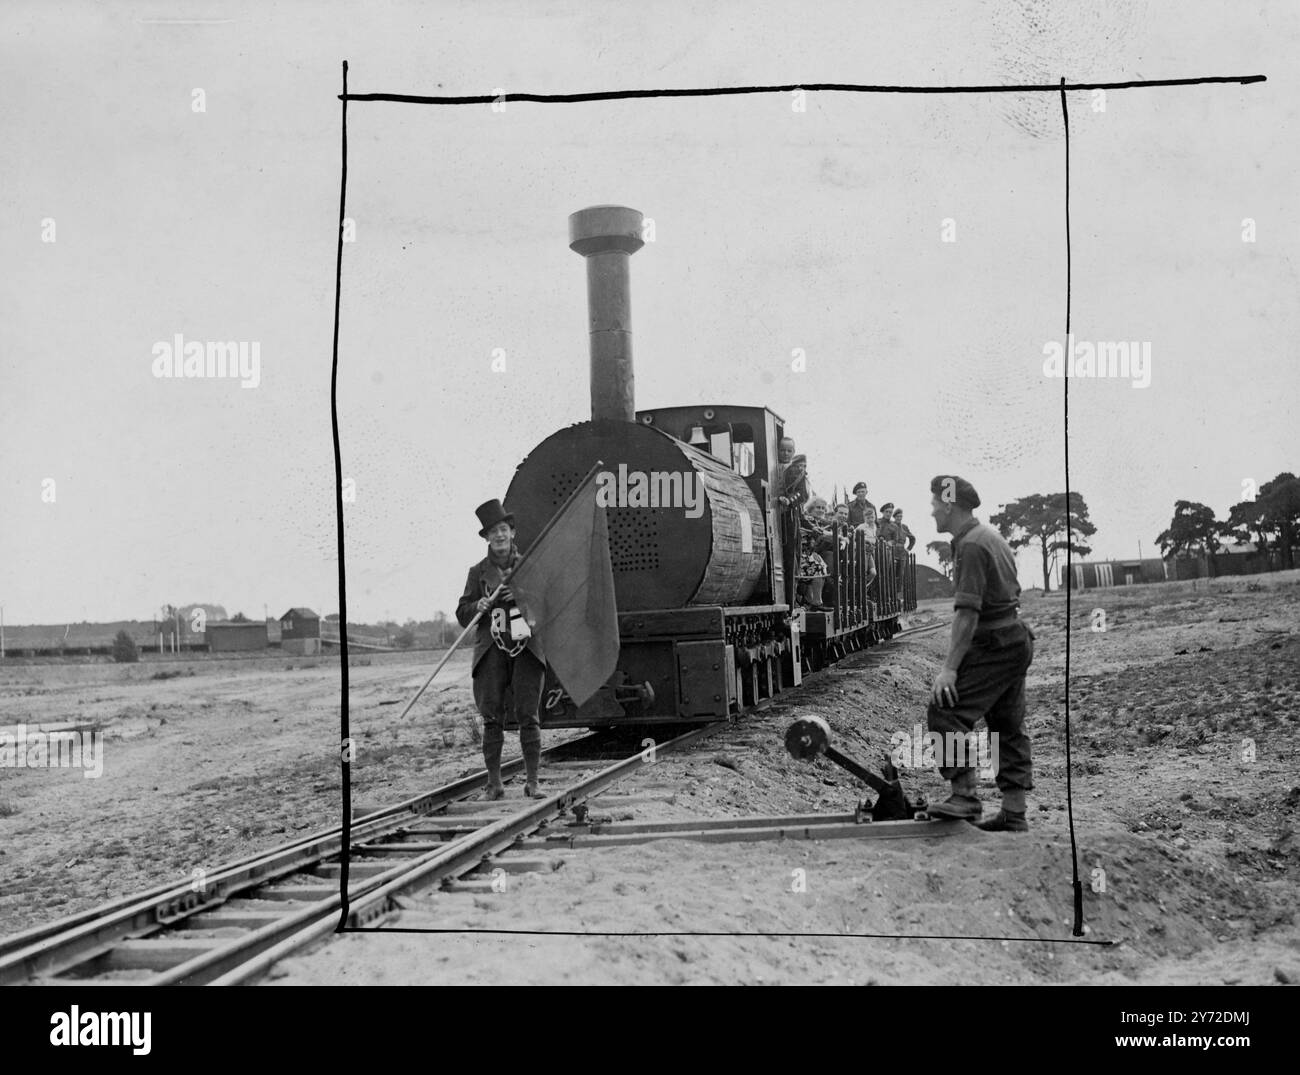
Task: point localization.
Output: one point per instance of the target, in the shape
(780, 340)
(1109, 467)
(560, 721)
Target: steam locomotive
(704, 583)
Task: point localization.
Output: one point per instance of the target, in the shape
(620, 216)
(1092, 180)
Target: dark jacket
(484, 577)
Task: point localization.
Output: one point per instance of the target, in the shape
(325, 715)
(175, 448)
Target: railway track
(922, 629)
(242, 916)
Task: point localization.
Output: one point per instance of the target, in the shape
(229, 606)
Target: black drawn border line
(810, 87)
(345, 752)
(479, 931)
(1077, 885)
(1061, 88)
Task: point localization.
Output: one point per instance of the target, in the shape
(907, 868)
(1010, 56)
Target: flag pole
(494, 594)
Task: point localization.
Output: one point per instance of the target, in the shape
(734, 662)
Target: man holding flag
(556, 601)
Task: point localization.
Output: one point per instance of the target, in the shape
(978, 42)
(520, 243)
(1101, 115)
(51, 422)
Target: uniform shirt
(984, 572)
(889, 531)
(904, 534)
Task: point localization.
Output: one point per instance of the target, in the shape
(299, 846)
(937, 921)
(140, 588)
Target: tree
(238, 617)
(1192, 531)
(1047, 520)
(1273, 517)
(1281, 499)
(943, 550)
(405, 638)
(124, 648)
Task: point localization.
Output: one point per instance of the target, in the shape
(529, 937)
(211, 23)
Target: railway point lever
(808, 737)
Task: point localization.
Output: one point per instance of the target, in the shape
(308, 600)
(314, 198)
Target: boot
(492, 762)
(1011, 818)
(532, 762)
(1004, 821)
(963, 804)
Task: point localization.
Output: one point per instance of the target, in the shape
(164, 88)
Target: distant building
(931, 583)
(1244, 559)
(229, 637)
(300, 631)
(1099, 576)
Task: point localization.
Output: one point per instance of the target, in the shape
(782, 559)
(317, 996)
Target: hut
(227, 637)
(300, 632)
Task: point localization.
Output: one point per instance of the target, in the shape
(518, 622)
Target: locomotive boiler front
(684, 528)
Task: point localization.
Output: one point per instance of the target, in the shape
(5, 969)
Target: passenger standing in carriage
(793, 492)
(862, 516)
(892, 535)
(862, 513)
(506, 655)
(989, 653)
(886, 530)
(815, 544)
(904, 534)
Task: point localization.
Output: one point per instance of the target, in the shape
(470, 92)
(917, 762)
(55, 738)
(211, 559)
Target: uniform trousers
(991, 684)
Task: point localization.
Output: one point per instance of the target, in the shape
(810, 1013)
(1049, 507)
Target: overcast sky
(775, 230)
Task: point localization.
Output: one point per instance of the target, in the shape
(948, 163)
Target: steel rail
(79, 937)
(376, 897)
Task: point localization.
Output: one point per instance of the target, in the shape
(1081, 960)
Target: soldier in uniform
(862, 516)
(862, 513)
(988, 655)
(506, 655)
(887, 531)
(904, 534)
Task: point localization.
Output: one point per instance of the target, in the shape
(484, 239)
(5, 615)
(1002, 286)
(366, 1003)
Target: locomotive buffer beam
(810, 736)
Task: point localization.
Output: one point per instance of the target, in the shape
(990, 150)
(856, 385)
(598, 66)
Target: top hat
(490, 513)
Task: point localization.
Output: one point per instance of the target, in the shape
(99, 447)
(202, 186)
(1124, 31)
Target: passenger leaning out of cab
(793, 491)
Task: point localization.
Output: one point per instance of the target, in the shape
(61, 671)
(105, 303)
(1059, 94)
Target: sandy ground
(1184, 718)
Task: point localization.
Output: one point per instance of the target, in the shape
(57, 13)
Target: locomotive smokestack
(607, 236)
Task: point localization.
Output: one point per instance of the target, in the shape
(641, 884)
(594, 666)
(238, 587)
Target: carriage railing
(848, 576)
(851, 595)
